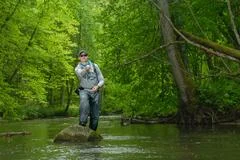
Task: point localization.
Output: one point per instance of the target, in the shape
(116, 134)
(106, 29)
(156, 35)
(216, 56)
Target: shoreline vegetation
(125, 121)
(173, 120)
(226, 118)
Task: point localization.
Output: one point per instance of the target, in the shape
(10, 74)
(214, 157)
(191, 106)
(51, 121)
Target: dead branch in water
(9, 134)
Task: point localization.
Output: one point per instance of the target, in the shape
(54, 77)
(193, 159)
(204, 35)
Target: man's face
(83, 57)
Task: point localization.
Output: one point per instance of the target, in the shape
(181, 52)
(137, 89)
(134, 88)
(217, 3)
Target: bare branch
(208, 50)
(233, 23)
(195, 19)
(9, 134)
(226, 66)
(144, 55)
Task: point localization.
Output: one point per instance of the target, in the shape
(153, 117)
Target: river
(131, 142)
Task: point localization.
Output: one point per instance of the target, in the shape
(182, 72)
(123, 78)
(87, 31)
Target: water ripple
(108, 137)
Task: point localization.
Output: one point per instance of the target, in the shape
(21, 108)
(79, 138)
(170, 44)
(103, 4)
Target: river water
(131, 142)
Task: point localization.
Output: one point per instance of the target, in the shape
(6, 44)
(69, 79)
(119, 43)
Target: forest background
(40, 40)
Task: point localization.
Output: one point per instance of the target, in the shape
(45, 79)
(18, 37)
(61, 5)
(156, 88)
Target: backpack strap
(94, 69)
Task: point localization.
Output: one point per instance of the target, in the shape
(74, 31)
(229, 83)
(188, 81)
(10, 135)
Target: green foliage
(39, 40)
(36, 53)
(129, 30)
(35, 112)
(116, 98)
(214, 76)
(221, 94)
(7, 103)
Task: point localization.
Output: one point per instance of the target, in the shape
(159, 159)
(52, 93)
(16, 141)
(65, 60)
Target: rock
(77, 133)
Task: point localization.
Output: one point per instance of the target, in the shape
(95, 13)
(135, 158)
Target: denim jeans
(89, 106)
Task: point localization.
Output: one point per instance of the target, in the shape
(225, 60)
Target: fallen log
(9, 134)
(232, 52)
(147, 120)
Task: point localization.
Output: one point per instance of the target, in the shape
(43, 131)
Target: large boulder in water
(77, 133)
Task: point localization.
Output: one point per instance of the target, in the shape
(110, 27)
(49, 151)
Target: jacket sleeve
(100, 76)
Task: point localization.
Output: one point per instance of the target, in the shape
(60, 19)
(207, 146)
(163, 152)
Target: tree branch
(150, 53)
(233, 23)
(215, 48)
(9, 134)
(194, 18)
(208, 50)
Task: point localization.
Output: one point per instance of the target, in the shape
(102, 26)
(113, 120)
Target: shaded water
(164, 142)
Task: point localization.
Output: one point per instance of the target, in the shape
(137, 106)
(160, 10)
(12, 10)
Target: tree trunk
(70, 87)
(62, 96)
(187, 106)
(21, 61)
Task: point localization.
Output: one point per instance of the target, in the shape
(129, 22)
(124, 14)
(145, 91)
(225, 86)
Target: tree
(36, 54)
(185, 86)
(132, 44)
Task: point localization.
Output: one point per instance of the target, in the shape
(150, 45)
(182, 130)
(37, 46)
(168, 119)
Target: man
(91, 79)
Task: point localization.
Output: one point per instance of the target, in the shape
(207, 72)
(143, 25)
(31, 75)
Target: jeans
(89, 106)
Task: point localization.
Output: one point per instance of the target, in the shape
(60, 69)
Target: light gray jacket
(91, 78)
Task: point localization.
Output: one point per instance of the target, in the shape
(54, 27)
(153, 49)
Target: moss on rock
(77, 133)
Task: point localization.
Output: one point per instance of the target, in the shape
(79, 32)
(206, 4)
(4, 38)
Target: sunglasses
(83, 55)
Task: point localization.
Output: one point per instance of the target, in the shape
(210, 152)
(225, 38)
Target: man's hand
(95, 88)
(87, 68)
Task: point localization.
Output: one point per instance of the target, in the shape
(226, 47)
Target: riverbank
(224, 118)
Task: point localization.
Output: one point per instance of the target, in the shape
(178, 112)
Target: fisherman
(91, 80)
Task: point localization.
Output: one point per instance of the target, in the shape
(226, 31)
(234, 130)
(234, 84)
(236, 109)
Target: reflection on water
(165, 142)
